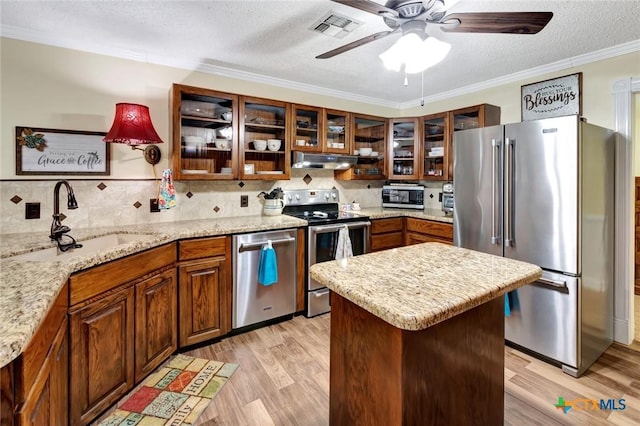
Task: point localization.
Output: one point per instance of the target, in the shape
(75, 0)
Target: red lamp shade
(132, 125)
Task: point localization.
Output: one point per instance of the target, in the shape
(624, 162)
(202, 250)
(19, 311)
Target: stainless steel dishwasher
(252, 301)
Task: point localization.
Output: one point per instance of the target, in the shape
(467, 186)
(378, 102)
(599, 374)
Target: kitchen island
(417, 335)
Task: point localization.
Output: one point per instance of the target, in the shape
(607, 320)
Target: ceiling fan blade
(498, 22)
(369, 6)
(354, 44)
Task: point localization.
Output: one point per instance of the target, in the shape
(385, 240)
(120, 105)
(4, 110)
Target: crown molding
(19, 33)
(587, 58)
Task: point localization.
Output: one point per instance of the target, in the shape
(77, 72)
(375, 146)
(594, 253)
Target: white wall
(51, 87)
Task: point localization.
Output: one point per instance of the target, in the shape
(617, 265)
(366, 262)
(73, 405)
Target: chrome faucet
(58, 230)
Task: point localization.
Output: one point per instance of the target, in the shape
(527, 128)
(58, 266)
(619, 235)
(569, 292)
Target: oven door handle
(339, 226)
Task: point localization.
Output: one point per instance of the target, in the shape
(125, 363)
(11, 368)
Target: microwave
(403, 196)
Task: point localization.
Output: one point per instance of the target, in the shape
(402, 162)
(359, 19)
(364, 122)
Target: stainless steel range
(321, 209)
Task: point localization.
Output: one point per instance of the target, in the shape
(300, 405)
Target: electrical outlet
(153, 205)
(32, 211)
(244, 201)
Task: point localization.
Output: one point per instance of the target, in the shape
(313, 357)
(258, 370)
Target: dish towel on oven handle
(267, 265)
(344, 248)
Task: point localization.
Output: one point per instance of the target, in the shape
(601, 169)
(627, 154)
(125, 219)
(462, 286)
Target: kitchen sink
(89, 247)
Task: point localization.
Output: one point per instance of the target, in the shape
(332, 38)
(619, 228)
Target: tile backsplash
(126, 202)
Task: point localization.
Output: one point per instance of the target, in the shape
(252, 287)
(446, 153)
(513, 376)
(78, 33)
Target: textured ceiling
(272, 38)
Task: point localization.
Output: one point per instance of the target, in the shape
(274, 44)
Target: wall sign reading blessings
(51, 152)
(552, 98)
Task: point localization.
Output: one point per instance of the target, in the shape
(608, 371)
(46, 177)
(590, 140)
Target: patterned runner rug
(175, 394)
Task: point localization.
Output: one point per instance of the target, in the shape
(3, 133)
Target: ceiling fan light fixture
(414, 53)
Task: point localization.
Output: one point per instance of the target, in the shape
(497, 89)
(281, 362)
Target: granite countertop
(417, 286)
(28, 288)
(430, 214)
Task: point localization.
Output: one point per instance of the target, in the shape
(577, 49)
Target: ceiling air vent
(335, 25)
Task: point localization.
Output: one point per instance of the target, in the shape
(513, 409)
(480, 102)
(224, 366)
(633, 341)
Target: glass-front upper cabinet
(404, 149)
(205, 137)
(337, 128)
(369, 144)
(264, 139)
(308, 124)
(435, 147)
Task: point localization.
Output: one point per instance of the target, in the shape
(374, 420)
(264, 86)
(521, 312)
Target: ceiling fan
(414, 16)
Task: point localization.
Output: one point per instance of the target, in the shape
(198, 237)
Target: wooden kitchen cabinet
(119, 327)
(437, 135)
(261, 120)
(156, 304)
(308, 125)
(469, 118)
(404, 149)
(205, 134)
(337, 131)
(436, 149)
(204, 289)
(387, 233)
(367, 132)
(425, 231)
(40, 373)
(102, 354)
(320, 130)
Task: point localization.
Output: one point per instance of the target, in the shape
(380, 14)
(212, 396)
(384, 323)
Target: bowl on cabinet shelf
(274, 144)
(260, 145)
(227, 116)
(198, 109)
(193, 140)
(223, 143)
(366, 151)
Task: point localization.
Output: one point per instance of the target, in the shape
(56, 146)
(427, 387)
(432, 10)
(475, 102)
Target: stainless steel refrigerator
(543, 192)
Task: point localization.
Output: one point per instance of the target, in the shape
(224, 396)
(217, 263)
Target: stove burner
(313, 206)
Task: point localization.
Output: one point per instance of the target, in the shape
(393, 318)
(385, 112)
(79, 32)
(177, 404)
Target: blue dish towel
(268, 265)
(507, 305)
(511, 302)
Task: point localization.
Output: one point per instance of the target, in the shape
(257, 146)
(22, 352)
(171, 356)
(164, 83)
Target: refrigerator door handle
(508, 192)
(495, 163)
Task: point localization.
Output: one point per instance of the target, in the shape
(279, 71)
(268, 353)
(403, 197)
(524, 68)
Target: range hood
(310, 160)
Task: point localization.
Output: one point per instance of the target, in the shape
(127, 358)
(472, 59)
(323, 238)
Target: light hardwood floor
(283, 379)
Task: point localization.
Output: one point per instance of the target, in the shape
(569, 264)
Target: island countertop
(415, 287)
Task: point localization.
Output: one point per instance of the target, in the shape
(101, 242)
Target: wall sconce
(132, 126)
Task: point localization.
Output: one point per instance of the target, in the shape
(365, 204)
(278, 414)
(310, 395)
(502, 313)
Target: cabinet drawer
(96, 280)
(201, 247)
(413, 238)
(443, 230)
(380, 226)
(386, 241)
